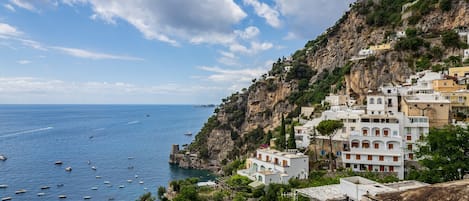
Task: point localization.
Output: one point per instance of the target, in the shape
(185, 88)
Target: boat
(140, 182)
(45, 187)
(136, 176)
(41, 194)
(68, 169)
(107, 182)
(94, 188)
(62, 196)
(87, 197)
(121, 186)
(98, 177)
(129, 181)
(60, 185)
(145, 188)
(3, 186)
(6, 198)
(3, 157)
(130, 158)
(21, 191)
(93, 167)
(58, 162)
(188, 133)
(111, 198)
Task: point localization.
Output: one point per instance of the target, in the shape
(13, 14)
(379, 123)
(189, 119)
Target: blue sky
(148, 51)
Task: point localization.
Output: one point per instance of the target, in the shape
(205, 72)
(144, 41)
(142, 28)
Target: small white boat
(145, 188)
(6, 198)
(3, 186)
(98, 177)
(140, 182)
(93, 167)
(58, 162)
(45, 187)
(136, 176)
(87, 197)
(41, 194)
(129, 181)
(188, 133)
(3, 157)
(121, 186)
(68, 169)
(62, 196)
(107, 182)
(21, 191)
(130, 158)
(94, 188)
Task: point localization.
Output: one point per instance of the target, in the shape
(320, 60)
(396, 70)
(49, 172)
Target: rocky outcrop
(229, 133)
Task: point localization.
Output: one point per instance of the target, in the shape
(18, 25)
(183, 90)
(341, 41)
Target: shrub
(451, 39)
(445, 5)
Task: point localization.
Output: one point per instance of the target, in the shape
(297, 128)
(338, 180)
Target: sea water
(123, 142)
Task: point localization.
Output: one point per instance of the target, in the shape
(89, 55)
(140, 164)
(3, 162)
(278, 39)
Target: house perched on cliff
(272, 166)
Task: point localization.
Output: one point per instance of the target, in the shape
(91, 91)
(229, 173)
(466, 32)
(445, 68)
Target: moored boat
(21, 191)
(3, 186)
(3, 157)
(62, 196)
(68, 169)
(6, 198)
(87, 197)
(41, 194)
(94, 188)
(45, 187)
(58, 162)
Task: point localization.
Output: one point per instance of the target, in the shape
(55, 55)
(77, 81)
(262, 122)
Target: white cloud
(304, 17)
(195, 21)
(39, 90)
(8, 30)
(32, 44)
(9, 7)
(255, 47)
(238, 75)
(24, 4)
(23, 62)
(248, 33)
(265, 11)
(80, 53)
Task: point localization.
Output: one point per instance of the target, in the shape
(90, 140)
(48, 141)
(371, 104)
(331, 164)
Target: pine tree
(291, 144)
(281, 140)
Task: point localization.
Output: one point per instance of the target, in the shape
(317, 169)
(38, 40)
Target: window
(267, 158)
(366, 145)
(381, 168)
(386, 132)
(354, 144)
(370, 168)
(379, 101)
(284, 163)
(365, 132)
(276, 161)
(391, 168)
(355, 166)
(409, 147)
(411, 156)
(352, 128)
(409, 137)
(395, 158)
(372, 101)
(376, 146)
(381, 158)
(339, 153)
(370, 157)
(259, 156)
(461, 99)
(347, 156)
(377, 132)
(344, 129)
(390, 146)
(357, 157)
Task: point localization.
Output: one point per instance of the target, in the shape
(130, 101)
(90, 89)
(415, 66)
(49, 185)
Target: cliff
(332, 62)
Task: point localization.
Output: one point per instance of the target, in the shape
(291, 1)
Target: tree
(146, 197)
(445, 154)
(450, 39)
(329, 128)
(268, 138)
(161, 192)
(281, 140)
(291, 144)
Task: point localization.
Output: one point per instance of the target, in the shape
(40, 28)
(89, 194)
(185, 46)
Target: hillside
(241, 122)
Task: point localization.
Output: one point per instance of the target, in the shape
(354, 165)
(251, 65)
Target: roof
(283, 154)
(329, 192)
(449, 191)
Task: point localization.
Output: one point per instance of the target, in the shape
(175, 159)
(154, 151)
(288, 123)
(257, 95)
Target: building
(413, 130)
(386, 46)
(459, 71)
(459, 104)
(447, 85)
(272, 166)
(365, 52)
(466, 51)
(433, 106)
(355, 189)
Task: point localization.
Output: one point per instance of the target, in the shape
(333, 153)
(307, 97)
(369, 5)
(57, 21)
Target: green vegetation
(231, 168)
(201, 138)
(451, 39)
(443, 153)
(384, 13)
(291, 144)
(280, 142)
(161, 192)
(412, 42)
(146, 197)
(239, 183)
(329, 128)
(445, 5)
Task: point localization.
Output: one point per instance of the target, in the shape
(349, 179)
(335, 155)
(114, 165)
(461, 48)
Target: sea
(128, 145)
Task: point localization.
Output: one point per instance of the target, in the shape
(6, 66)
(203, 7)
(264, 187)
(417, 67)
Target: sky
(148, 51)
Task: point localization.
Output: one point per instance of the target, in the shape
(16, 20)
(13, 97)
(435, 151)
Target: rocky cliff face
(240, 122)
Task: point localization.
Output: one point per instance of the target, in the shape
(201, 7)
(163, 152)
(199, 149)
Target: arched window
(379, 101)
(372, 101)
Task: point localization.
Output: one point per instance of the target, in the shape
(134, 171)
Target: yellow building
(448, 85)
(459, 104)
(386, 46)
(436, 108)
(459, 71)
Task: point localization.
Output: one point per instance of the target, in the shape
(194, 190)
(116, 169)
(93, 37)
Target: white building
(466, 53)
(414, 129)
(365, 52)
(272, 166)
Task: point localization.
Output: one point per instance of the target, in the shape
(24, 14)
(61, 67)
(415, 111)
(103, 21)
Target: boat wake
(132, 122)
(17, 133)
